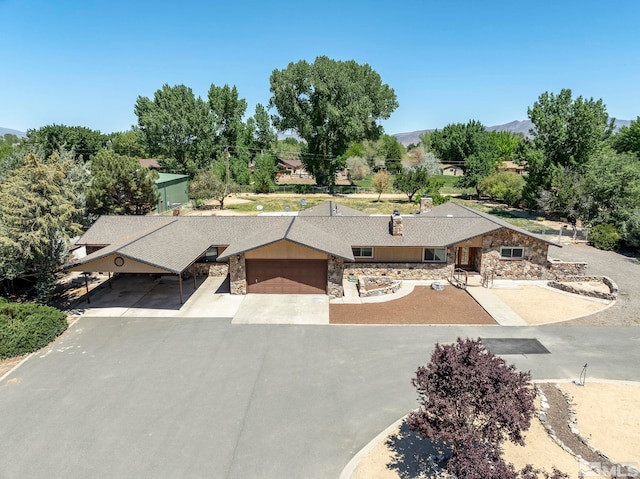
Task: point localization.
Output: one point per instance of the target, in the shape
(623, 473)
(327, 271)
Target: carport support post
(109, 280)
(86, 285)
(180, 282)
(195, 281)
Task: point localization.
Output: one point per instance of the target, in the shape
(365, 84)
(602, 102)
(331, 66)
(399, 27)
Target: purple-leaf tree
(468, 396)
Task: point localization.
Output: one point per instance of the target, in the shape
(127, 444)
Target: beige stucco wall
(285, 250)
(393, 255)
(472, 243)
(106, 264)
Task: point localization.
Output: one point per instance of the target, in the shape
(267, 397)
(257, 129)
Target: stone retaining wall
(561, 269)
(412, 271)
(611, 295)
(377, 286)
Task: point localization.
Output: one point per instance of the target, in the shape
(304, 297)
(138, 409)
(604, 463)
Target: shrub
(25, 328)
(605, 236)
(358, 167)
(631, 229)
(504, 186)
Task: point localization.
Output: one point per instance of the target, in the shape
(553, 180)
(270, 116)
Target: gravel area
(423, 306)
(624, 271)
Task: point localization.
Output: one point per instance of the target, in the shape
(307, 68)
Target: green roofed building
(173, 191)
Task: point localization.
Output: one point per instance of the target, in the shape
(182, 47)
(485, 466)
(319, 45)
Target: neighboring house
(291, 167)
(452, 170)
(513, 168)
(150, 163)
(173, 191)
(314, 251)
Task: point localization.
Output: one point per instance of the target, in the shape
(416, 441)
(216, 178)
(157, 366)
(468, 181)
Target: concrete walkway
(498, 309)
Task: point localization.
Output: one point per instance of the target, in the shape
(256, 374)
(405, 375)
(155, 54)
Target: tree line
(576, 167)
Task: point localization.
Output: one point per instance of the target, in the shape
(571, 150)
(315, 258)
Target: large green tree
(178, 127)
(411, 180)
(457, 141)
(129, 143)
(83, 141)
(329, 104)
(567, 132)
(120, 186)
(628, 138)
(38, 209)
(7, 143)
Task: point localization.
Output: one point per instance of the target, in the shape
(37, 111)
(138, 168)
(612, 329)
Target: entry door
(464, 258)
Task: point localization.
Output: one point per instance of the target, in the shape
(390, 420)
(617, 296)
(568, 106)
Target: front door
(465, 258)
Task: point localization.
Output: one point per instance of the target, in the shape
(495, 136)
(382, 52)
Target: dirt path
(423, 306)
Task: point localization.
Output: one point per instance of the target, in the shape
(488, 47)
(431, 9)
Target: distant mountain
(19, 134)
(517, 126)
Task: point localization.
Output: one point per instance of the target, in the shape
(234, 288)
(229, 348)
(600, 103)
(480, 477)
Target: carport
(171, 250)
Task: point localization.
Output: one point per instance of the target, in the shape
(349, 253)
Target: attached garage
(294, 276)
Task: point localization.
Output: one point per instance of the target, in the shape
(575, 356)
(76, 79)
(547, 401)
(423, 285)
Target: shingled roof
(174, 243)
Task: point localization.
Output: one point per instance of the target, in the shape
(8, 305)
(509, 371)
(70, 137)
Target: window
(512, 252)
(362, 252)
(209, 256)
(434, 255)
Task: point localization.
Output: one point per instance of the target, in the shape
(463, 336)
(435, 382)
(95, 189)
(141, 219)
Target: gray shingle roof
(174, 243)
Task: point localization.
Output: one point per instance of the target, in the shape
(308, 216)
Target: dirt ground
(608, 414)
(423, 306)
(537, 305)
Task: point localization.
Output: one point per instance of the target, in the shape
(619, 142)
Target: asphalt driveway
(135, 397)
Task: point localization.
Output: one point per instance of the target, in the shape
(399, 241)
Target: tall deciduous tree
(568, 132)
(120, 186)
(628, 138)
(178, 127)
(468, 395)
(37, 216)
(128, 143)
(329, 104)
(265, 136)
(83, 141)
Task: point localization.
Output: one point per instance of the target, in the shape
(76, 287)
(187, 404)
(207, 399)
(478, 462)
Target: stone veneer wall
(237, 274)
(335, 272)
(533, 266)
(415, 271)
(561, 269)
(212, 269)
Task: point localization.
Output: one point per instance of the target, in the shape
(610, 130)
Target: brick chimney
(426, 203)
(395, 224)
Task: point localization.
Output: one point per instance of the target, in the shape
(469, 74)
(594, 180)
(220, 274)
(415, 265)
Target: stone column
(335, 271)
(237, 274)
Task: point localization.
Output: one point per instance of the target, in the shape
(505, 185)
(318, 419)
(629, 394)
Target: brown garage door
(286, 276)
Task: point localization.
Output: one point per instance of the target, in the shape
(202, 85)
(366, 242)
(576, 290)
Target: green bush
(605, 236)
(631, 229)
(504, 186)
(25, 328)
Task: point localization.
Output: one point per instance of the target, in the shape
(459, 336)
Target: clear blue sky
(85, 62)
